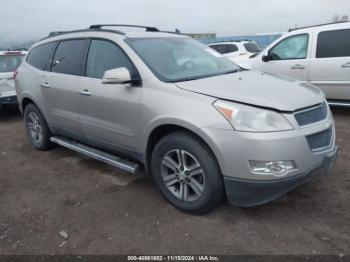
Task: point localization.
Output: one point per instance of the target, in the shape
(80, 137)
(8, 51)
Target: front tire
(187, 173)
(37, 129)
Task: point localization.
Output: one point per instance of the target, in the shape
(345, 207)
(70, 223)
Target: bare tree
(345, 18)
(340, 18)
(336, 18)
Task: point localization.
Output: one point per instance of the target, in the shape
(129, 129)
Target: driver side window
(294, 47)
(104, 55)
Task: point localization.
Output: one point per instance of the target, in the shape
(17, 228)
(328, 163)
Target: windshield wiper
(187, 79)
(232, 71)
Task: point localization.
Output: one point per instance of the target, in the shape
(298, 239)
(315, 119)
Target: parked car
(236, 50)
(204, 130)
(319, 55)
(9, 62)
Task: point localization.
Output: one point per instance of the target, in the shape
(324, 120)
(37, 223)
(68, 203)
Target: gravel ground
(59, 202)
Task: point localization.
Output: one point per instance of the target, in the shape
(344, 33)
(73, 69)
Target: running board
(97, 154)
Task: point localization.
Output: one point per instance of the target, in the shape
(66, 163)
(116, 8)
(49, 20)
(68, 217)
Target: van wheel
(187, 173)
(37, 129)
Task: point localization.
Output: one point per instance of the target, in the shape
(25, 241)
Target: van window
(104, 56)
(225, 48)
(68, 58)
(252, 47)
(293, 47)
(333, 43)
(40, 56)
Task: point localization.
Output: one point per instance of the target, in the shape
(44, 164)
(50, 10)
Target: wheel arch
(164, 129)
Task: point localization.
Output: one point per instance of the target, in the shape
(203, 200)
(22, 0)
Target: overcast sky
(22, 20)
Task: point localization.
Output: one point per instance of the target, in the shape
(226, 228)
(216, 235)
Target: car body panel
(332, 75)
(287, 95)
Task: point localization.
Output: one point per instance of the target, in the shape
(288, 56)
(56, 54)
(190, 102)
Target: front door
(110, 113)
(288, 57)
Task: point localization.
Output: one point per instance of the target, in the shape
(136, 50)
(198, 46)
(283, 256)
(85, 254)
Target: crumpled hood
(256, 88)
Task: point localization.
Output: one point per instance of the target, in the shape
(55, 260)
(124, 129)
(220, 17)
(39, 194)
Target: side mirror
(265, 57)
(117, 76)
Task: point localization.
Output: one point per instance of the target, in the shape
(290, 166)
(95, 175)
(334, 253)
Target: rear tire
(37, 129)
(187, 173)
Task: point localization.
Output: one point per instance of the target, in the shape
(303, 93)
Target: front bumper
(248, 193)
(234, 151)
(8, 100)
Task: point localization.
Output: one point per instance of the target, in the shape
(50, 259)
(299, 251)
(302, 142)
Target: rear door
(330, 63)
(289, 57)
(61, 87)
(110, 113)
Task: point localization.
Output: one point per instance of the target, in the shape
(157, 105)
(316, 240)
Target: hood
(256, 88)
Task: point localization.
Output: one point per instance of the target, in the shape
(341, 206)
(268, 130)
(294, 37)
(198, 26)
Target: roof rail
(292, 29)
(56, 33)
(148, 28)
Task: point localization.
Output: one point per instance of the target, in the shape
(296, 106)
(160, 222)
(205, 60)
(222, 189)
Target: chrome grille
(320, 140)
(312, 115)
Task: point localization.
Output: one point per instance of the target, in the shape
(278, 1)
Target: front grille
(312, 115)
(320, 140)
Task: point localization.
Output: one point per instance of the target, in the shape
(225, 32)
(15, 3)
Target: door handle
(298, 66)
(346, 65)
(46, 85)
(85, 92)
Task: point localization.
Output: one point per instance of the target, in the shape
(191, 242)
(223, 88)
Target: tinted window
(40, 56)
(333, 43)
(252, 47)
(230, 48)
(224, 49)
(294, 47)
(103, 56)
(9, 63)
(68, 58)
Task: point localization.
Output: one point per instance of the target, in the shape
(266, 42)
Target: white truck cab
(317, 54)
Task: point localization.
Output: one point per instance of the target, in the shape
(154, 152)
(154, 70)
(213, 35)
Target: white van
(317, 54)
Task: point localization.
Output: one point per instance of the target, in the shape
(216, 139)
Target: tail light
(15, 74)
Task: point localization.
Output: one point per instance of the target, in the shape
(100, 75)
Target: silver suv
(201, 126)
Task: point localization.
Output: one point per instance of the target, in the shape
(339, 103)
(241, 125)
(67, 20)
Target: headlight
(252, 119)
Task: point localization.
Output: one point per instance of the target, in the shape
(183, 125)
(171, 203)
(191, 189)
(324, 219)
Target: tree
(340, 18)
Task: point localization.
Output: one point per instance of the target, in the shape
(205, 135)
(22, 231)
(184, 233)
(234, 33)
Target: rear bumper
(8, 100)
(249, 193)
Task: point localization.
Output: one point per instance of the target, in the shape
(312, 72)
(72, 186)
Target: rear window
(252, 47)
(333, 43)
(68, 57)
(225, 48)
(40, 56)
(9, 63)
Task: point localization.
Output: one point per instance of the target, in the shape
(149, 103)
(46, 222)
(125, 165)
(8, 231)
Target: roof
(319, 25)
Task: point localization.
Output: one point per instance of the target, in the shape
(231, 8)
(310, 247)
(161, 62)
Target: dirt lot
(105, 211)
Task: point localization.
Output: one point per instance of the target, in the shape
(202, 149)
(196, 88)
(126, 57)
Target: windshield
(252, 47)
(9, 63)
(180, 59)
